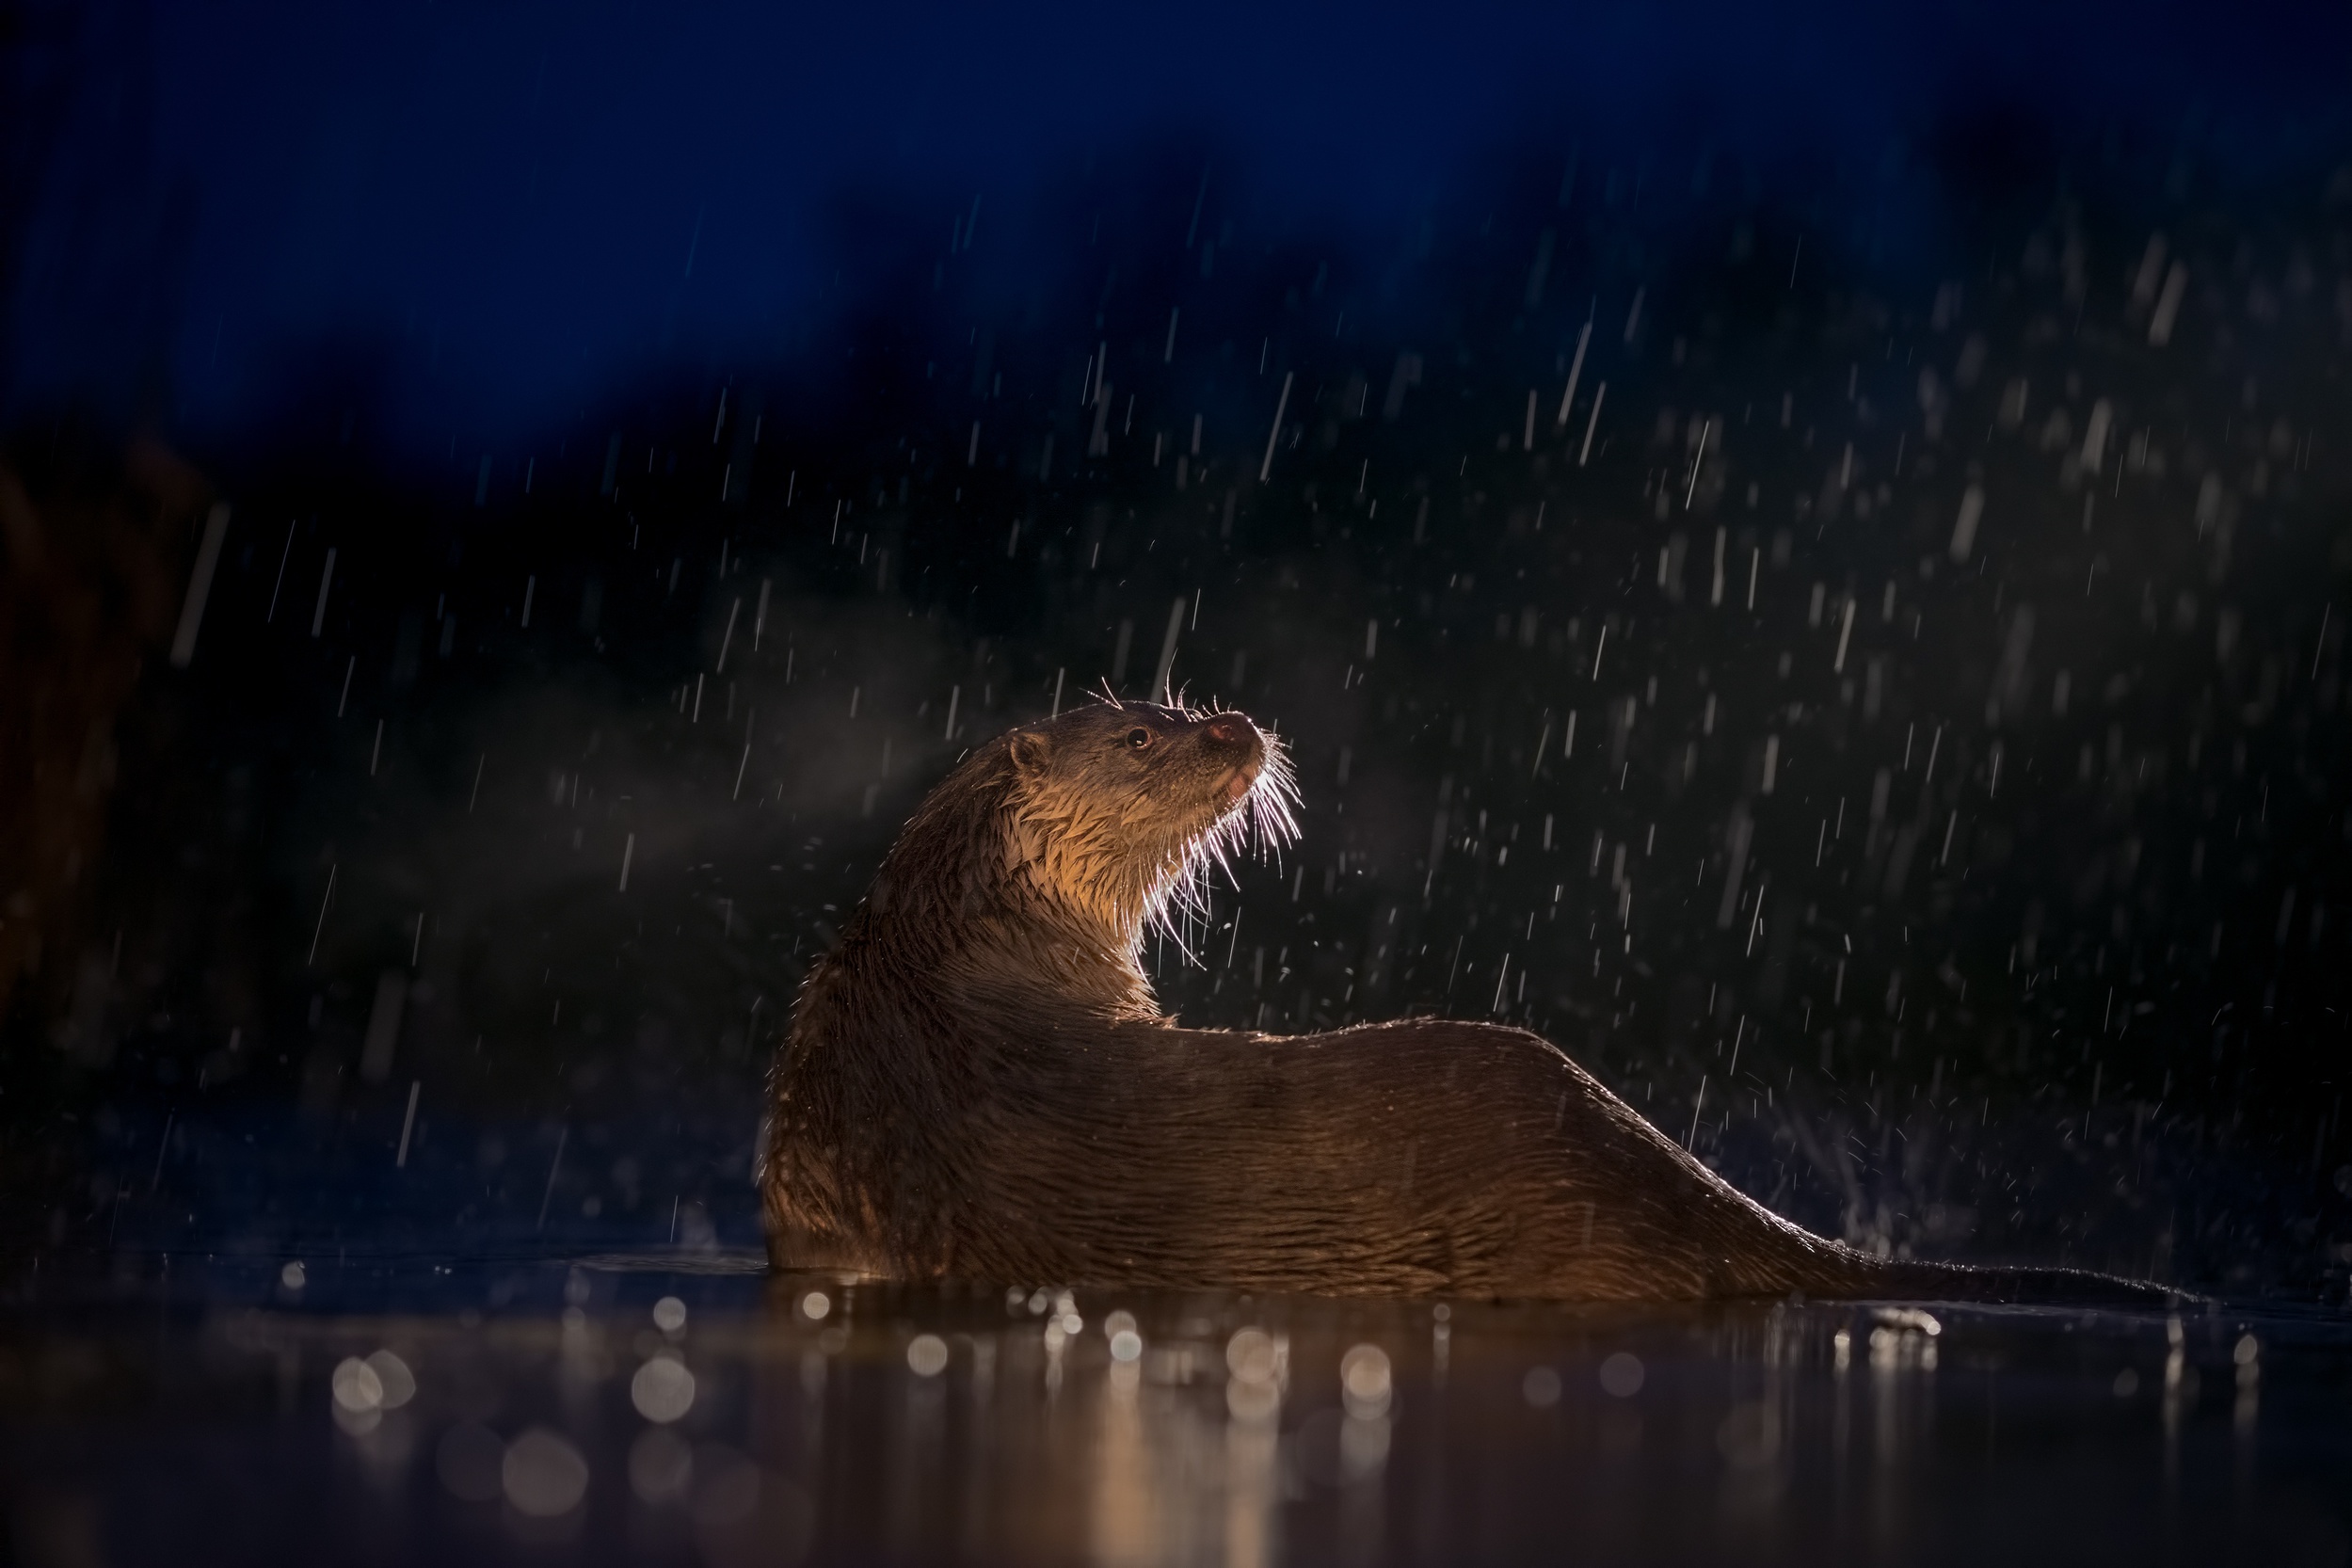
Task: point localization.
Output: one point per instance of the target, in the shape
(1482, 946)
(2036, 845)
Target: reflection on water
(692, 1409)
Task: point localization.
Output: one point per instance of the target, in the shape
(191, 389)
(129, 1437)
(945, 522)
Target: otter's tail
(1859, 1274)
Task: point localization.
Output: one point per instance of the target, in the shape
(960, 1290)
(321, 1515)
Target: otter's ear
(1031, 751)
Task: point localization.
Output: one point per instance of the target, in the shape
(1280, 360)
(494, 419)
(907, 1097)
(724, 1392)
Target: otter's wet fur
(977, 1083)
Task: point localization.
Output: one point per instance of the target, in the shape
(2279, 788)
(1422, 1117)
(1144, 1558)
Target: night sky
(505, 213)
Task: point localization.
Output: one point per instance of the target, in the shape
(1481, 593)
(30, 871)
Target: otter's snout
(1238, 739)
(1232, 730)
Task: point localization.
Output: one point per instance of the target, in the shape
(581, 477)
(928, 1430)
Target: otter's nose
(1229, 729)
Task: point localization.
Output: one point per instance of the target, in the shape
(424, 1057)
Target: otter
(977, 1083)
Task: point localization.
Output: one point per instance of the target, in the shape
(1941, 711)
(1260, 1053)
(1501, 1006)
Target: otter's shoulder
(1453, 1038)
(1456, 1031)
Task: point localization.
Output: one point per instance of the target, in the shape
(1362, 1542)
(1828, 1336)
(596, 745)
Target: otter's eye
(1138, 737)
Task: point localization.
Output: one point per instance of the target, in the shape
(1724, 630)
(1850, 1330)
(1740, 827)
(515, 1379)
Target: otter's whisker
(1271, 799)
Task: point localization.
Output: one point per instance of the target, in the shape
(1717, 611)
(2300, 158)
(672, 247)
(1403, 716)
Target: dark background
(701, 409)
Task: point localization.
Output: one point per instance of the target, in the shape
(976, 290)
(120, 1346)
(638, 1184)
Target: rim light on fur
(1265, 818)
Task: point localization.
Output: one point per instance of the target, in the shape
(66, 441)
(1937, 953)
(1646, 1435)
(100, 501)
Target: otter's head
(1118, 810)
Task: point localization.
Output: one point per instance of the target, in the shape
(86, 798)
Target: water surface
(688, 1407)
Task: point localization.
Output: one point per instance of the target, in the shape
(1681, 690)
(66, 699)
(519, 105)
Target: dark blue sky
(507, 212)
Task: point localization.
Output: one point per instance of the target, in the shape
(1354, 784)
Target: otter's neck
(972, 904)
